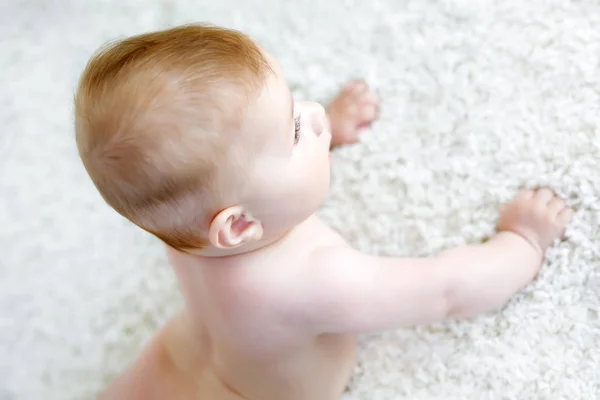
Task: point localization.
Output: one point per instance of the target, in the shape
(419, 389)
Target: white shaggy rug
(478, 99)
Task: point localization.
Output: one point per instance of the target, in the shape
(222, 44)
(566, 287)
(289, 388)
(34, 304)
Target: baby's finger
(368, 98)
(352, 86)
(367, 113)
(544, 196)
(556, 205)
(565, 216)
(359, 87)
(524, 194)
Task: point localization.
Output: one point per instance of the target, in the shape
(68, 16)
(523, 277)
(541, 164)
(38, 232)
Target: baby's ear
(234, 227)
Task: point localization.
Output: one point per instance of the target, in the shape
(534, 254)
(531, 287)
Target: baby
(192, 134)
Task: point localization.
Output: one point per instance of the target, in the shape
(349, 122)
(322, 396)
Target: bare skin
(182, 358)
(274, 313)
(352, 110)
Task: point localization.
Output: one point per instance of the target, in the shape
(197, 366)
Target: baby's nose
(318, 119)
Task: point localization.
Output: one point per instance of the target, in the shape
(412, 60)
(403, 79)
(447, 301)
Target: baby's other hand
(352, 110)
(539, 216)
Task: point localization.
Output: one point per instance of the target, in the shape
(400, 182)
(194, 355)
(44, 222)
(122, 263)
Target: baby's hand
(539, 216)
(352, 110)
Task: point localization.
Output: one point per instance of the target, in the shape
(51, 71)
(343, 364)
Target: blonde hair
(154, 119)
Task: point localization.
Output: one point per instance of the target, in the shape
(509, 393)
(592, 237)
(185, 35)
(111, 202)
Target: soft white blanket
(478, 99)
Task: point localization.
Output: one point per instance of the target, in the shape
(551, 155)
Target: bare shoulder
(295, 254)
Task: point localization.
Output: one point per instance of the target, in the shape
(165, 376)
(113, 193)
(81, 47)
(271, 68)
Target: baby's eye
(298, 125)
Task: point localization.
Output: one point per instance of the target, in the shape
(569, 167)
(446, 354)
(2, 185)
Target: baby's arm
(351, 292)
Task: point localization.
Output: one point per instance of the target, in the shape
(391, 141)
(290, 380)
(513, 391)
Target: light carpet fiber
(478, 99)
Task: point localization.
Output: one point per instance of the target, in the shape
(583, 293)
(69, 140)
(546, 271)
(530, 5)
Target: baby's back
(244, 345)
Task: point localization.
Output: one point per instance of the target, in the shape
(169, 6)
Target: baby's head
(192, 134)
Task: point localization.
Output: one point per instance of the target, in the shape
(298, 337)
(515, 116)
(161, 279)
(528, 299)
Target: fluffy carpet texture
(479, 98)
